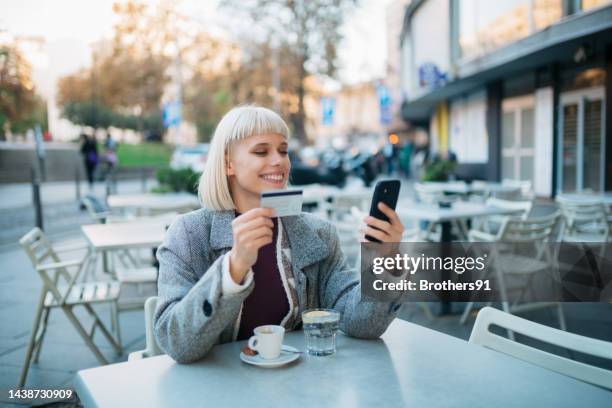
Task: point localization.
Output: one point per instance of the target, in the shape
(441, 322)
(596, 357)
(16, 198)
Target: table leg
(445, 237)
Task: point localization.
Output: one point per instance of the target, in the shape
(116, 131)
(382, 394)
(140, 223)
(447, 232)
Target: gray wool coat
(193, 313)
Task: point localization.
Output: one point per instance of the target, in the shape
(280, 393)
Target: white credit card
(285, 202)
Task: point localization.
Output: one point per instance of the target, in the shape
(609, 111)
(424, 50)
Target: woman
(232, 266)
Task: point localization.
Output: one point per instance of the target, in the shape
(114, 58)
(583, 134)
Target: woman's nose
(276, 159)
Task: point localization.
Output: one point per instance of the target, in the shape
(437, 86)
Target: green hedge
(171, 180)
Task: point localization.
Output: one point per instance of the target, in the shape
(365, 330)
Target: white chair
(489, 316)
(524, 187)
(491, 224)
(60, 290)
(536, 231)
(152, 349)
(585, 221)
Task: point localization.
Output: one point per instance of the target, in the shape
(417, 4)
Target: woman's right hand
(251, 231)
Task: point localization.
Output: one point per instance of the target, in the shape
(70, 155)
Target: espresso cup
(267, 341)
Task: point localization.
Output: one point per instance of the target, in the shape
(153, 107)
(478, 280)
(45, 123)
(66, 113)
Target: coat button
(207, 308)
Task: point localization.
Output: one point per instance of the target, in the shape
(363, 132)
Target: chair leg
(116, 326)
(466, 313)
(88, 340)
(31, 343)
(561, 316)
(105, 332)
(39, 342)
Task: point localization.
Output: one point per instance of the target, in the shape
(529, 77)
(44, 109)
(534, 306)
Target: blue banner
(384, 102)
(328, 107)
(172, 114)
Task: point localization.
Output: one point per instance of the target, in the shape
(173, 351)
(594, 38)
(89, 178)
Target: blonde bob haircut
(237, 124)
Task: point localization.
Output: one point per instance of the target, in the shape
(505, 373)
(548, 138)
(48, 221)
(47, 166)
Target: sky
(70, 26)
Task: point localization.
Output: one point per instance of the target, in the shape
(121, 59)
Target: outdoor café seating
(60, 290)
(535, 232)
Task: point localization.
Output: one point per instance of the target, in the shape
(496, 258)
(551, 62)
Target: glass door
(518, 130)
(582, 142)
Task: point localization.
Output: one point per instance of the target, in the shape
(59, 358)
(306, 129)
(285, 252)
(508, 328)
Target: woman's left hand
(385, 231)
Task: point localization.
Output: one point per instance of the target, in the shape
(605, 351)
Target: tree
(20, 107)
(125, 83)
(308, 31)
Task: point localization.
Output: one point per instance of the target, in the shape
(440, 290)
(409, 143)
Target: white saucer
(286, 356)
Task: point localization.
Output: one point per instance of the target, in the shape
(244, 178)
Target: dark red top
(267, 303)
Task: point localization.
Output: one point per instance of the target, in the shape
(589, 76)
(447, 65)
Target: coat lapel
(306, 246)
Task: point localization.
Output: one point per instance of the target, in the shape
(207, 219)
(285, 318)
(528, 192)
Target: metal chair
(585, 221)
(491, 224)
(489, 316)
(152, 349)
(535, 231)
(524, 187)
(60, 290)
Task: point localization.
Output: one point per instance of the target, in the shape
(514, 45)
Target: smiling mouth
(273, 178)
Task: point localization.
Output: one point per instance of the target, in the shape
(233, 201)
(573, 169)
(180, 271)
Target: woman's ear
(229, 169)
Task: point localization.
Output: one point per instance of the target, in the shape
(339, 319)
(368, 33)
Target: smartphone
(386, 191)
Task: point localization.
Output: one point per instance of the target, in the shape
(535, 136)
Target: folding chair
(546, 335)
(60, 290)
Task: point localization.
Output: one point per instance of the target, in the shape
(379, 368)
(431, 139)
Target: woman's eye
(284, 152)
(260, 153)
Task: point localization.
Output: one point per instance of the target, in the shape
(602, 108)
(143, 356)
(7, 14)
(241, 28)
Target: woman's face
(258, 163)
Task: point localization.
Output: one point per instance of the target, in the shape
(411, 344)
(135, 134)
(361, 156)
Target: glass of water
(320, 328)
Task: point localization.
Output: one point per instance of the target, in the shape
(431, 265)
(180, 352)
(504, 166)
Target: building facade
(517, 89)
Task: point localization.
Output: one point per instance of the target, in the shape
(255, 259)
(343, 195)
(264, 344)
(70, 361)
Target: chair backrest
(40, 252)
(595, 375)
(95, 207)
(37, 247)
(524, 206)
(525, 186)
(342, 204)
(149, 311)
(580, 212)
(535, 229)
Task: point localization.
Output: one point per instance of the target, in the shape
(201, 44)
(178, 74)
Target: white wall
(430, 40)
(543, 157)
(468, 137)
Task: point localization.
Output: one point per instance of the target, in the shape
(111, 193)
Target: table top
(410, 366)
(152, 201)
(606, 197)
(458, 210)
(121, 235)
(460, 187)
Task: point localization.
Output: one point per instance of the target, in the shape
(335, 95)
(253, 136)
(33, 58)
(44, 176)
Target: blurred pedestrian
(109, 159)
(405, 156)
(89, 150)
